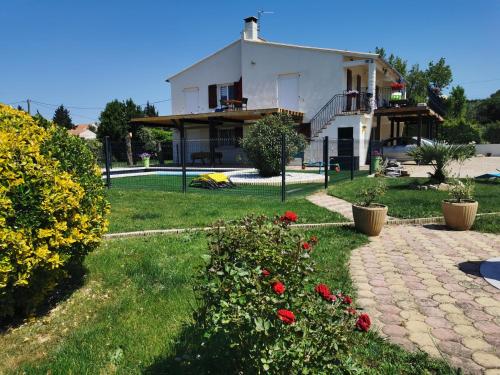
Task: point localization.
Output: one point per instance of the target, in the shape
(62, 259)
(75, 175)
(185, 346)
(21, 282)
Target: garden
(253, 294)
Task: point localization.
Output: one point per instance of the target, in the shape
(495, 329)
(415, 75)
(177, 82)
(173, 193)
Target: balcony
(386, 98)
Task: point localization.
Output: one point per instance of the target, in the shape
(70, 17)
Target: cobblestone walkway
(422, 287)
(332, 203)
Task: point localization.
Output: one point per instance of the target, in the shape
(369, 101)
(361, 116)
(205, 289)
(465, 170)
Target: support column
(398, 129)
(377, 130)
(372, 81)
(419, 137)
(392, 128)
(212, 140)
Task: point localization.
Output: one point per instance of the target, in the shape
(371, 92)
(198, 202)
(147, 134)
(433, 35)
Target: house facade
(334, 92)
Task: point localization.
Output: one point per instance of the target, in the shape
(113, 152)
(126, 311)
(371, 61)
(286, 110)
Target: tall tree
(42, 121)
(62, 118)
(150, 110)
(457, 102)
(114, 122)
(439, 74)
(416, 84)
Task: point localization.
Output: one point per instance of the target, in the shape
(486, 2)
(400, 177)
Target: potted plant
(145, 159)
(460, 210)
(369, 217)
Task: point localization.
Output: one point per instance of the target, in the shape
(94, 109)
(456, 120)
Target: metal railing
(340, 104)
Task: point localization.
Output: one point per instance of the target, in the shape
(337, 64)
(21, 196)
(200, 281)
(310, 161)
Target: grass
(404, 202)
(137, 299)
(140, 209)
(487, 223)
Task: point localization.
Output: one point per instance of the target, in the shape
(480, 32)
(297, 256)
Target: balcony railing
(341, 104)
(384, 99)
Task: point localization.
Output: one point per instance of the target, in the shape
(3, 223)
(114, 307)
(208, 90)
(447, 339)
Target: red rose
(314, 240)
(351, 311)
(286, 316)
(347, 300)
(289, 216)
(306, 246)
(363, 323)
(278, 287)
(324, 292)
(337, 169)
(265, 273)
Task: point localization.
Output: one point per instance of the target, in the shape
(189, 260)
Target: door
(191, 100)
(288, 91)
(349, 88)
(345, 145)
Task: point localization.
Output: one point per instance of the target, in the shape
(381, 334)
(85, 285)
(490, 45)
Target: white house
(83, 131)
(330, 92)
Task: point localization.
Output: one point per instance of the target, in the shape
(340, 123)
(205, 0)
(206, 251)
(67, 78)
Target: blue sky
(85, 53)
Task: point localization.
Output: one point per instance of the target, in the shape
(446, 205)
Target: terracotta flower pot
(459, 216)
(369, 220)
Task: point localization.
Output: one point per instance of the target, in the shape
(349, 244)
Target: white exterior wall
(321, 75)
(222, 67)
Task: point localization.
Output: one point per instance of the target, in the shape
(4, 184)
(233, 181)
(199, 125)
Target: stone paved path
(421, 286)
(331, 203)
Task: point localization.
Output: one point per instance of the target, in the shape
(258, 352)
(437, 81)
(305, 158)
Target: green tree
(460, 131)
(114, 119)
(62, 118)
(488, 110)
(491, 132)
(416, 84)
(41, 121)
(457, 102)
(395, 61)
(439, 74)
(150, 110)
(262, 144)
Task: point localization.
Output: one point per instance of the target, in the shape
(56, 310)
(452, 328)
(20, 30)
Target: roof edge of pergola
(409, 112)
(175, 121)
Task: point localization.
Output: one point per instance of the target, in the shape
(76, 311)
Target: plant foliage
(367, 197)
(62, 118)
(442, 154)
(461, 190)
(262, 144)
(52, 209)
(260, 308)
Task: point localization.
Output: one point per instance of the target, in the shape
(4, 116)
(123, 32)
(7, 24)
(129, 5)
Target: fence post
(107, 160)
(283, 165)
(352, 160)
(326, 162)
(183, 162)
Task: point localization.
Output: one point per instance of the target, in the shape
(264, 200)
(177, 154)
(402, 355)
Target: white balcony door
(288, 91)
(191, 97)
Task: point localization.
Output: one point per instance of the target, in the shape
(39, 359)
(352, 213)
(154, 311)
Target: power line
(68, 106)
(485, 80)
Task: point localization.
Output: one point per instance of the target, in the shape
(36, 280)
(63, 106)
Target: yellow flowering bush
(52, 208)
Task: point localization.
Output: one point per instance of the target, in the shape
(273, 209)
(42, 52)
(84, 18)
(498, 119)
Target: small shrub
(461, 190)
(262, 144)
(52, 209)
(460, 131)
(491, 132)
(442, 154)
(260, 308)
(368, 196)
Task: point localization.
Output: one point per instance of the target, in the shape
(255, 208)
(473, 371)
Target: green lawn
(132, 314)
(404, 202)
(140, 209)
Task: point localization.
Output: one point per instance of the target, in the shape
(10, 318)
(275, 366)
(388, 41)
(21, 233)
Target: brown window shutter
(212, 96)
(238, 89)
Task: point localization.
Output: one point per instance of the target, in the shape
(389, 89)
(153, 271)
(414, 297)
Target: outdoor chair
(223, 105)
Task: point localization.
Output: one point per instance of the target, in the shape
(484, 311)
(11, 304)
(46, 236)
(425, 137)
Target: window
(225, 137)
(226, 91)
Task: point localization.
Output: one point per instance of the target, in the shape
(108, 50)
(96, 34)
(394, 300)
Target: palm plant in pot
(460, 210)
(369, 217)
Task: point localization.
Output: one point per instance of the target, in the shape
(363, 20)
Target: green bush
(97, 149)
(491, 132)
(442, 154)
(460, 131)
(262, 144)
(52, 209)
(260, 308)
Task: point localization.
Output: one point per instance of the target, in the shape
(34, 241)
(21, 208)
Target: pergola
(212, 119)
(419, 115)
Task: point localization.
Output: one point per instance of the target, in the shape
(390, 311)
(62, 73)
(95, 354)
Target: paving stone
(492, 372)
(487, 360)
(419, 298)
(475, 344)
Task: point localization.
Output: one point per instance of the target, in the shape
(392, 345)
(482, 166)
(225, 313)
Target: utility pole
(28, 102)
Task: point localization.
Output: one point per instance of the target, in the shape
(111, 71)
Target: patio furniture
(212, 181)
(205, 155)
(233, 104)
(224, 105)
(241, 104)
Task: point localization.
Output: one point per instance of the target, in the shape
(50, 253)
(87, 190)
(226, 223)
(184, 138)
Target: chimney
(250, 32)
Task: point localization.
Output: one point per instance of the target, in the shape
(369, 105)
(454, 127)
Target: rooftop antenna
(259, 17)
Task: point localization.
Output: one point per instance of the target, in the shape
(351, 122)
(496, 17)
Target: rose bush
(260, 307)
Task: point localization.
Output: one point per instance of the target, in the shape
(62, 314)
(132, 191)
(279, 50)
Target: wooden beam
(392, 128)
(398, 129)
(377, 131)
(419, 139)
